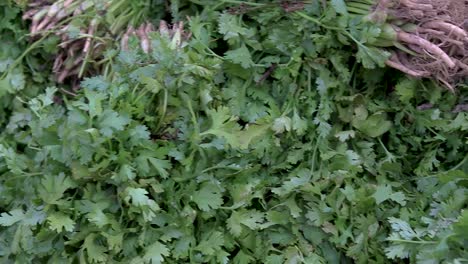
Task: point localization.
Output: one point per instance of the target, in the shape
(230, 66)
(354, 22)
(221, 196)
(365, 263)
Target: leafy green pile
(259, 140)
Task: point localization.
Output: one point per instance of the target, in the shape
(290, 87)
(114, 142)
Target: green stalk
(409, 28)
(359, 6)
(357, 11)
(383, 43)
(388, 33)
(243, 3)
(368, 2)
(121, 21)
(115, 7)
(405, 49)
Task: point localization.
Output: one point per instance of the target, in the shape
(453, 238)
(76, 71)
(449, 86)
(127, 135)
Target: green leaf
(345, 135)
(374, 126)
(402, 228)
(59, 221)
(339, 6)
(405, 89)
(251, 219)
(139, 197)
(12, 217)
(282, 124)
(240, 56)
(94, 105)
(230, 27)
(208, 197)
(384, 192)
(156, 252)
(98, 218)
(371, 57)
(461, 225)
(110, 122)
(161, 166)
(299, 124)
(126, 173)
(225, 126)
(95, 83)
(151, 84)
(95, 252)
(52, 187)
(146, 162)
(397, 251)
(249, 134)
(211, 243)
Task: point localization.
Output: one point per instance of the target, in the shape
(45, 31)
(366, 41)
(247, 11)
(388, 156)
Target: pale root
(428, 46)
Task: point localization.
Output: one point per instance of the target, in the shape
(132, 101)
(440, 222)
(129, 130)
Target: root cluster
(81, 48)
(438, 41)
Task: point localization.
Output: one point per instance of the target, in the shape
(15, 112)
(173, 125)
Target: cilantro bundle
(246, 134)
(83, 30)
(427, 37)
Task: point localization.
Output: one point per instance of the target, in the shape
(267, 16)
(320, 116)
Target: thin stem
(413, 242)
(243, 3)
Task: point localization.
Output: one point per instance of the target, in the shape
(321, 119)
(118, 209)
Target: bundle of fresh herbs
(85, 29)
(262, 132)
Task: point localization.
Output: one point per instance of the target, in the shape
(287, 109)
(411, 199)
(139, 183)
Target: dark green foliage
(190, 155)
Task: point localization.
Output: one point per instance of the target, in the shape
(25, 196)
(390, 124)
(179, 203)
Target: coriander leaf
(95, 83)
(12, 217)
(126, 173)
(161, 166)
(52, 187)
(98, 218)
(397, 251)
(374, 126)
(247, 135)
(59, 221)
(95, 252)
(229, 26)
(251, 218)
(110, 121)
(345, 135)
(281, 124)
(405, 89)
(371, 57)
(299, 124)
(382, 193)
(156, 252)
(208, 197)
(402, 228)
(139, 197)
(240, 56)
(224, 126)
(339, 6)
(398, 197)
(211, 243)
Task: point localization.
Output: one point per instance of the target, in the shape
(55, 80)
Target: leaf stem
(243, 3)
(422, 242)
